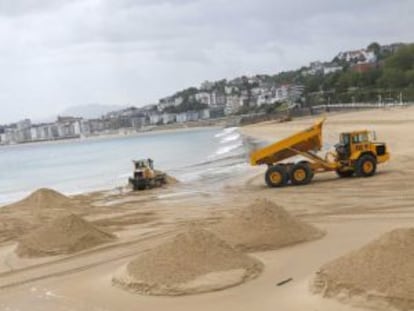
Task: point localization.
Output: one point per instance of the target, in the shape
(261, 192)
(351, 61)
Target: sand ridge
(379, 275)
(66, 234)
(263, 226)
(194, 261)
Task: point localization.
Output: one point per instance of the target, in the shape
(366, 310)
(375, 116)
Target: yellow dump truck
(357, 153)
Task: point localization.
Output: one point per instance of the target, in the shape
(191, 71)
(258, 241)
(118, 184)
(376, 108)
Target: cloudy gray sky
(60, 53)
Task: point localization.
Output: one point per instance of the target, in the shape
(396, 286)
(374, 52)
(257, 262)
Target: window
(345, 139)
(360, 138)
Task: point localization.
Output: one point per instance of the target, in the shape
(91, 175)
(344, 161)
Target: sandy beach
(350, 213)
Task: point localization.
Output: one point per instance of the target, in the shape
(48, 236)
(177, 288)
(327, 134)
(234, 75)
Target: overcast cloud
(60, 53)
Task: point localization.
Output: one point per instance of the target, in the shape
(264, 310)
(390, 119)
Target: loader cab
(145, 163)
(143, 168)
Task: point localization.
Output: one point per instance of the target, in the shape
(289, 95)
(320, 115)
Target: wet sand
(351, 211)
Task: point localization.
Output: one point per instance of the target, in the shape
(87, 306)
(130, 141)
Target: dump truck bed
(303, 141)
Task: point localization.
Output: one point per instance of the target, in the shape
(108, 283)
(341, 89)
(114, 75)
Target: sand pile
(37, 209)
(64, 235)
(194, 261)
(379, 275)
(264, 226)
(43, 198)
(170, 180)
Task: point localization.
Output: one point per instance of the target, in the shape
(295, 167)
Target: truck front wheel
(366, 166)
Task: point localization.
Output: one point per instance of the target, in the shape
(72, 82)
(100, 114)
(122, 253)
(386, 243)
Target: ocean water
(196, 156)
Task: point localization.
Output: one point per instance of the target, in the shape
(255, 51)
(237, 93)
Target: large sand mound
(43, 198)
(379, 275)
(262, 226)
(64, 235)
(194, 261)
(37, 209)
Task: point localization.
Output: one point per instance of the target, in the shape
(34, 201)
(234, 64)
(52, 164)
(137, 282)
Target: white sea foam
(228, 148)
(226, 131)
(230, 138)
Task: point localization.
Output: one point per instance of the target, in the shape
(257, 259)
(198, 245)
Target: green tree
(374, 47)
(392, 78)
(403, 59)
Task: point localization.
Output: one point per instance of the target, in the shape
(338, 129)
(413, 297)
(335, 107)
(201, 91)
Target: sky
(60, 53)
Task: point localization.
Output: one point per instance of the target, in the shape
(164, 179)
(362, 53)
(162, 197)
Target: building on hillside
(178, 101)
(96, 125)
(149, 108)
(295, 92)
(206, 86)
(204, 114)
(138, 122)
(23, 124)
(363, 67)
(165, 102)
(230, 90)
(35, 133)
(256, 91)
(265, 98)
(204, 98)
(85, 127)
(282, 93)
(233, 104)
(22, 131)
(331, 68)
(315, 68)
(357, 56)
(217, 112)
(168, 118)
(181, 117)
(193, 115)
(218, 99)
(253, 80)
(190, 116)
(155, 119)
(8, 136)
(69, 127)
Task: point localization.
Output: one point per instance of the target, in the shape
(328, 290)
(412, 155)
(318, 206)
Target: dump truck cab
(354, 147)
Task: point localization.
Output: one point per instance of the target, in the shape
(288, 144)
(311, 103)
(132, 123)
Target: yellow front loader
(357, 153)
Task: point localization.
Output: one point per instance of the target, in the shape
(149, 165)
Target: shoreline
(115, 186)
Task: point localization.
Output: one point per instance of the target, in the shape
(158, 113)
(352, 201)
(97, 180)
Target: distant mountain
(90, 111)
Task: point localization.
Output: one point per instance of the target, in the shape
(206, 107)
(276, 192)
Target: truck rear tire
(301, 174)
(276, 176)
(365, 166)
